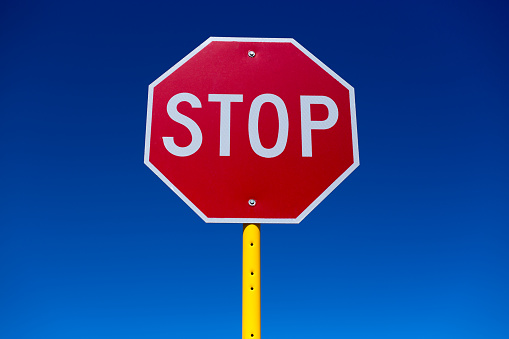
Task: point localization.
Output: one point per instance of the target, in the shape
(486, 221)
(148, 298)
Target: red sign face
(251, 130)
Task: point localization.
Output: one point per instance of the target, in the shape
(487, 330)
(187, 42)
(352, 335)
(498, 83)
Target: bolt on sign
(249, 130)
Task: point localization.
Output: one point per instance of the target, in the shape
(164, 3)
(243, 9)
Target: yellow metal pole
(251, 324)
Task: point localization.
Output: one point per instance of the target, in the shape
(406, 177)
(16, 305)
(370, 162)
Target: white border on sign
(253, 220)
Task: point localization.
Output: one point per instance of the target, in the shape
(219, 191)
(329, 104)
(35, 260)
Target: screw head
(251, 202)
(251, 54)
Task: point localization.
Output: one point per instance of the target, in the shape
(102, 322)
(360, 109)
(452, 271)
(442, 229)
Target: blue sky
(414, 244)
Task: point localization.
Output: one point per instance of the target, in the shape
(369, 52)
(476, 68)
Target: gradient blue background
(414, 244)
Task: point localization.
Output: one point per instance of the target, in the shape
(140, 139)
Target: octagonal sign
(249, 130)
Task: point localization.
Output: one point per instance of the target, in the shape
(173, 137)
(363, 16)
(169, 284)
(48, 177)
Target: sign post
(251, 131)
(251, 295)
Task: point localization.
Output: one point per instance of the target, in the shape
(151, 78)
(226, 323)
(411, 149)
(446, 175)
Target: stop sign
(249, 130)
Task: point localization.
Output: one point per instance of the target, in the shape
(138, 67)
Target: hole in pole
(252, 288)
(252, 244)
(252, 273)
(252, 335)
